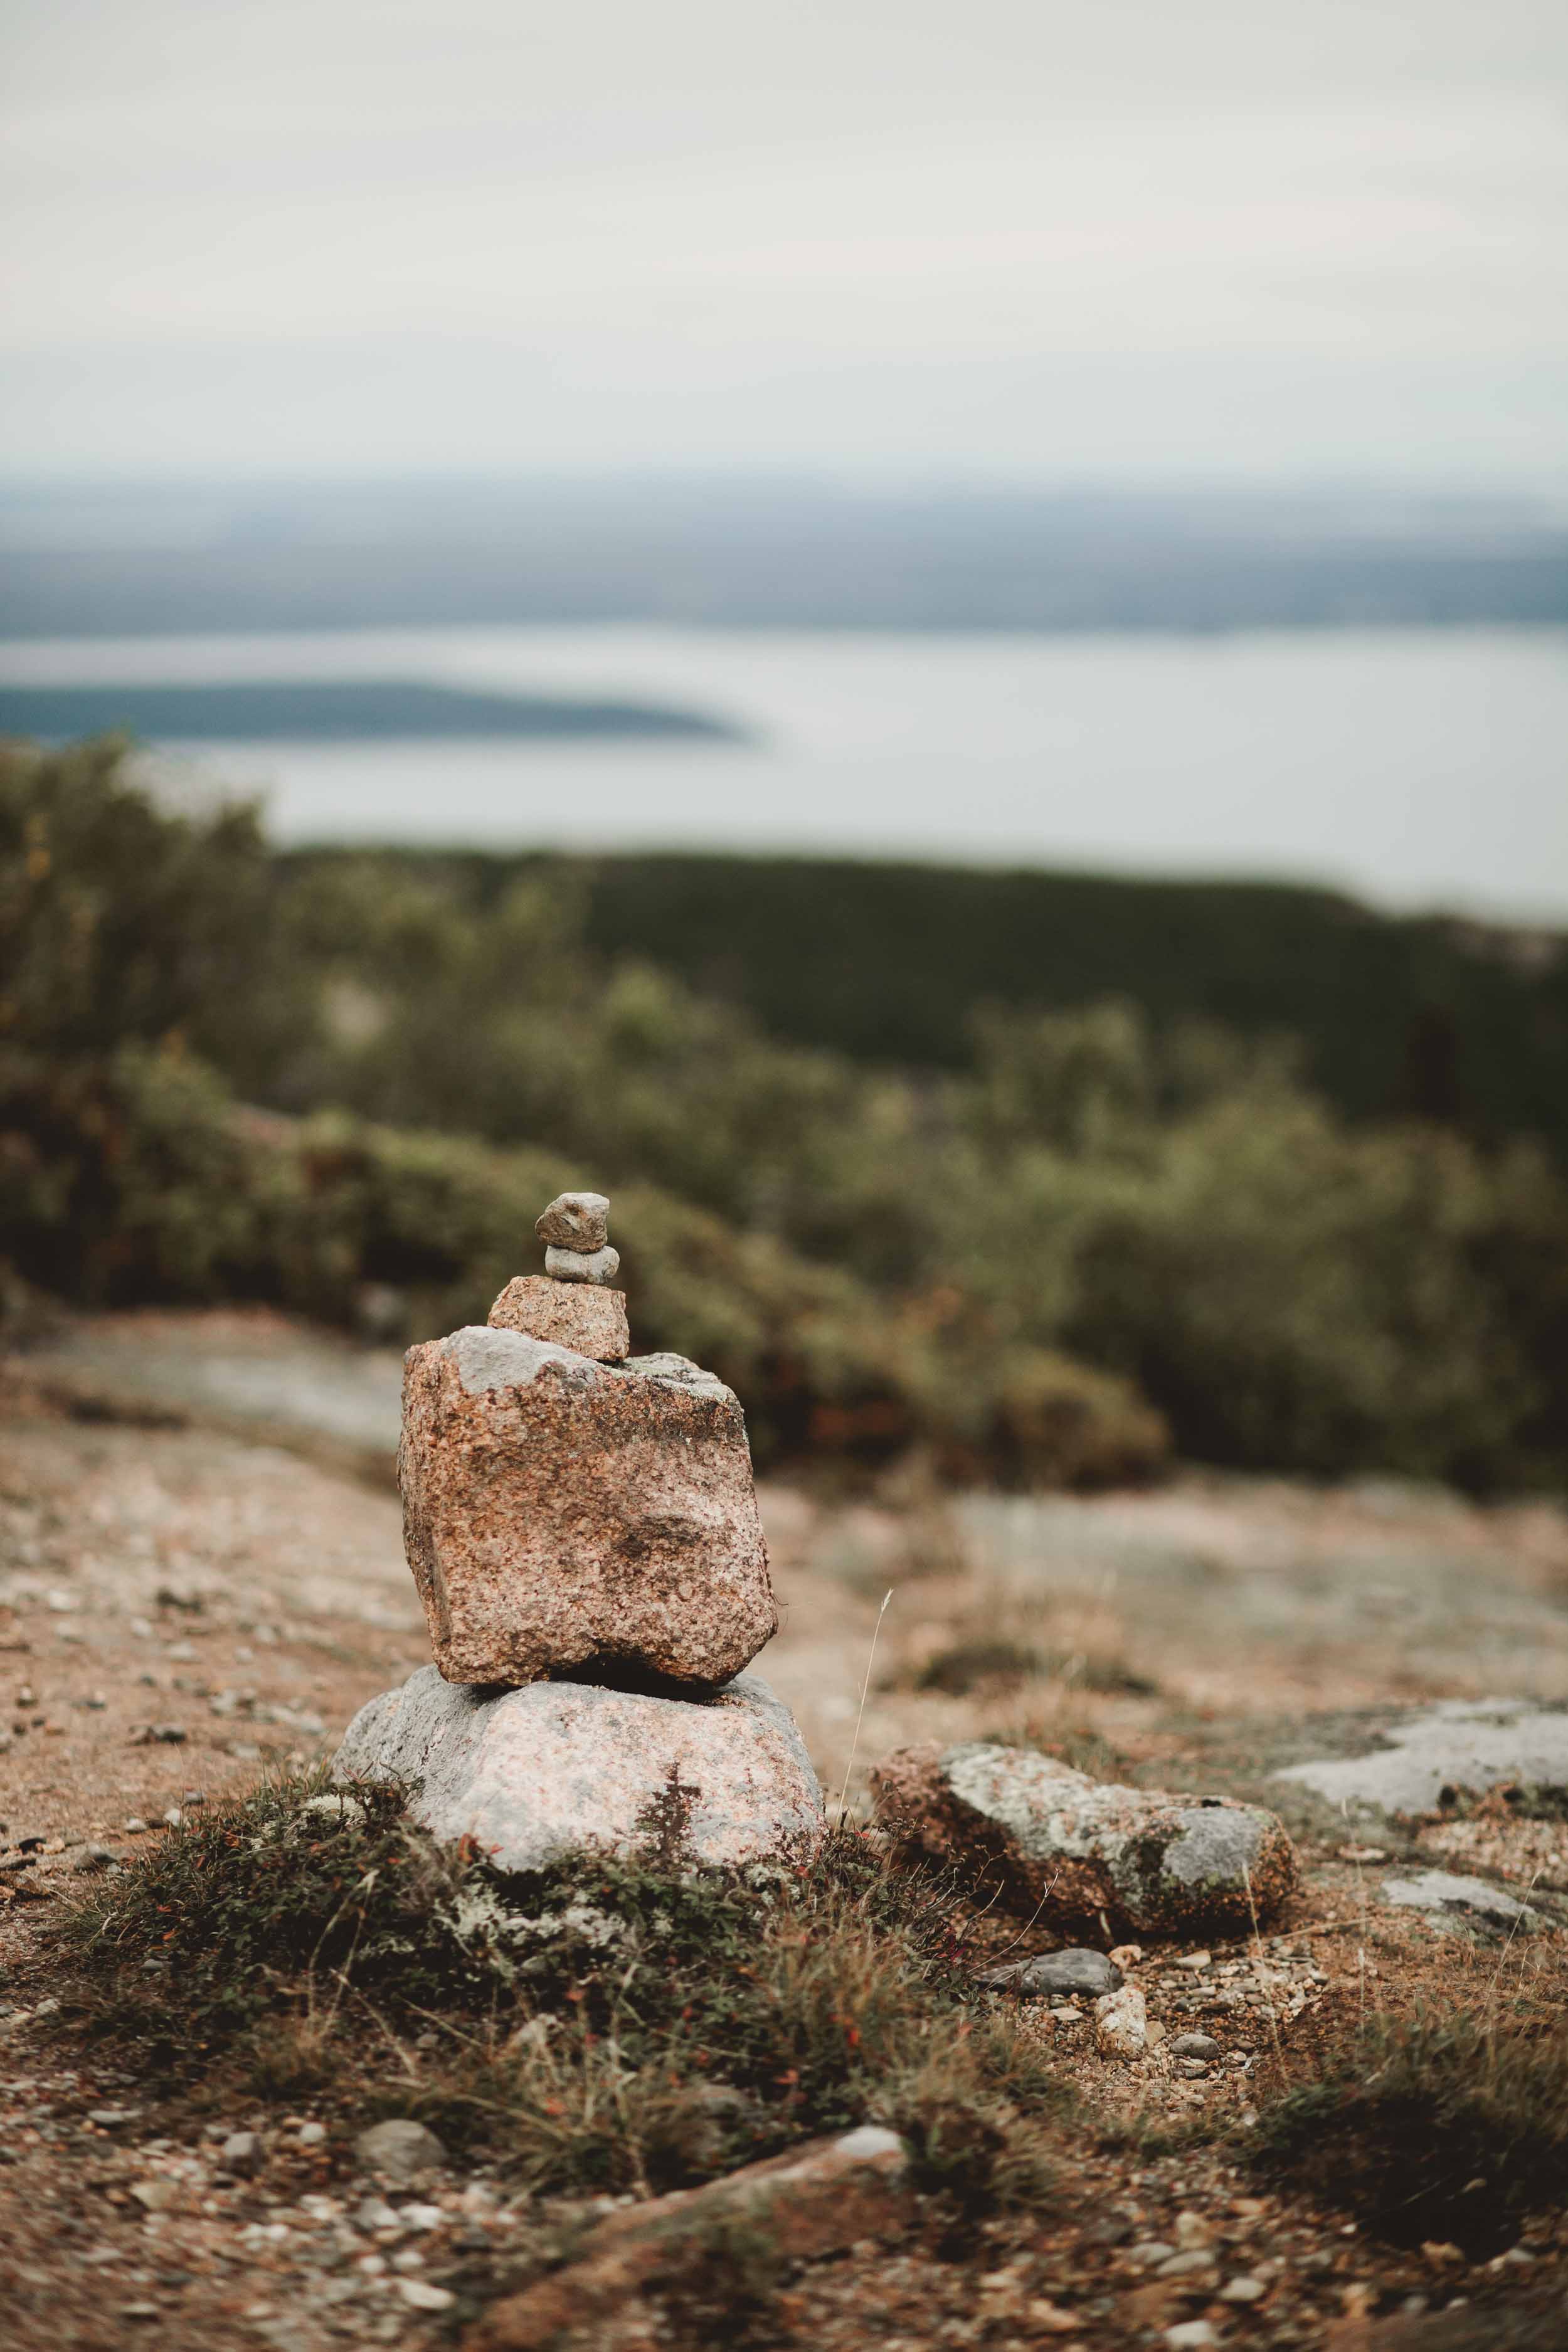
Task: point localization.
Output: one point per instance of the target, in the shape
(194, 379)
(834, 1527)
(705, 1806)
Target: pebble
(375, 2213)
(399, 2148)
(1073, 1971)
(579, 1265)
(1121, 2023)
(1194, 2045)
(312, 2135)
(1190, 2335)
(241, 2151)
(1243, 2290)
(423, 2297)
(1198, 2258)
(1191, 2068)
(156, 2196)
(133, 1827)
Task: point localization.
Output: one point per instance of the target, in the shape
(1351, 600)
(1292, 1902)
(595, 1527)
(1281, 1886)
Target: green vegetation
(596, 2026)
(1394, 1017)
(1446, 2129)
(323, 1081)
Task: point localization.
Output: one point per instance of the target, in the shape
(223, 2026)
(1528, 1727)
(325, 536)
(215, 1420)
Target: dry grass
(593, 2027)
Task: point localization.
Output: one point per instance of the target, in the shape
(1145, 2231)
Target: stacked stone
(583, 1528)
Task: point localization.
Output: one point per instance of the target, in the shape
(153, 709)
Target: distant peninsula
(276, 710)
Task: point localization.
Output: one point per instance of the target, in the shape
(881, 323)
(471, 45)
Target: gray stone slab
(1459, 1744)
(1445, 1894)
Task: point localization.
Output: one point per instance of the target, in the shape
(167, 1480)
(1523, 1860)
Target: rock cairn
(581, 1527)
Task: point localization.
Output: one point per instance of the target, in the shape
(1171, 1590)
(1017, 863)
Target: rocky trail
(201, 1577)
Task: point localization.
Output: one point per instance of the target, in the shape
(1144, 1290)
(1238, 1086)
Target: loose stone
(575, 1220)
(400, 2150)
(1077, 1970)
(1194, 2045)
(579, 1266)
(1072, 1850)
(1121, 2023)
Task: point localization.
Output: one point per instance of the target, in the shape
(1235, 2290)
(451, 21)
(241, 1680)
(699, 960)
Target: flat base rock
(560, 1514)
(559, 1768)
(1071, 1851)
(584, 1316)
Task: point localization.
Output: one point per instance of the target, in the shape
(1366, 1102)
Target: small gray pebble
(1079, 1970)
(241, 2151)
(1194, 2045)
(400, 2149)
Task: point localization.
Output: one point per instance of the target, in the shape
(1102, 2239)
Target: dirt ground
(201, 1573)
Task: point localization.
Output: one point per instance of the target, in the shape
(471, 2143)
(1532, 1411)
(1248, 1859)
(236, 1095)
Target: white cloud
(1013, 218)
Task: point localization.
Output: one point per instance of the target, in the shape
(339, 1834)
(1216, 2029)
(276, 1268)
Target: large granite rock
(1075, 1851)
(584, 1316)
(532, 1775)
(560, 1513)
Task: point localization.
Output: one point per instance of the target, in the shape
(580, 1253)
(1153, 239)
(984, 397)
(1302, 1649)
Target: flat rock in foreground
(555, 1769)
(1074, 1851)
(563, 1514)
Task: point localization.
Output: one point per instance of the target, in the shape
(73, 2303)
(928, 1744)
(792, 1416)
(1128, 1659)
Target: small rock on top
(575, 1220)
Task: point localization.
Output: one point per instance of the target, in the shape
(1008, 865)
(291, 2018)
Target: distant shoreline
(277, 710)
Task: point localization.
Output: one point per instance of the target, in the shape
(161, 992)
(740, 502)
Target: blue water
(1415, 767)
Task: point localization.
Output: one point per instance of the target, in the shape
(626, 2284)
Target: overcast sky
(1121, 240)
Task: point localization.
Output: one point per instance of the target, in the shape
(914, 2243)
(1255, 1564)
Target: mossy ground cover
(596, 2027)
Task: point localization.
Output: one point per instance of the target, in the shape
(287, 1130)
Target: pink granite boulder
(564, 1515)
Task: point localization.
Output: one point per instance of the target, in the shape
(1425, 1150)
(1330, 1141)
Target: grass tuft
(1447, 2128)
(596, 2026)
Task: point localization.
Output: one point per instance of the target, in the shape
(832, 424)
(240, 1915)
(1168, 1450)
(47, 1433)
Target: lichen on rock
(1076, 1852)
